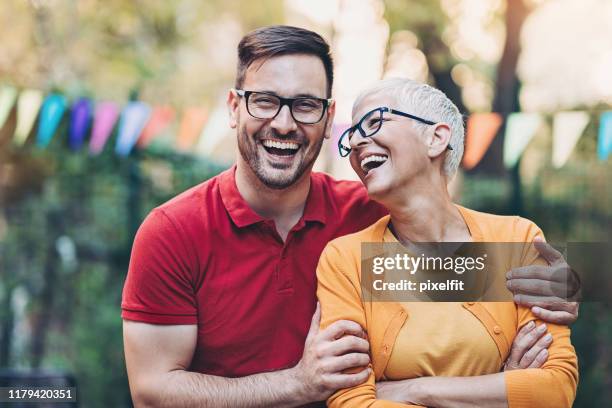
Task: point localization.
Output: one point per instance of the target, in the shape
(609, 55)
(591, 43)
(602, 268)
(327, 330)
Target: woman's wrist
(410, 391)
(417, 391)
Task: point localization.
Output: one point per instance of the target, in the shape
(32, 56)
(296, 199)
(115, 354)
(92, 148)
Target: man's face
(280, 150)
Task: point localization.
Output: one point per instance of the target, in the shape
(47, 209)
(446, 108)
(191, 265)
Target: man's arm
(546, 289)
(158, 357)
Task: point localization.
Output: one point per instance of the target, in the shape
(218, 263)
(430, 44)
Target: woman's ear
(233, 104)
(440, 138)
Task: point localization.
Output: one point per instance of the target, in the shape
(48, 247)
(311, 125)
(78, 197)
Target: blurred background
(109, 108)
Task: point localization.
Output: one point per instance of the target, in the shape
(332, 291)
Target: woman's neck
(423, 212)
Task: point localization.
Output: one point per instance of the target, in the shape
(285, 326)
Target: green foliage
(97, 202)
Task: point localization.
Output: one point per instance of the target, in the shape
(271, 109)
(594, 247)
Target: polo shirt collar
(239, 211)
(242, 215)
(317, 201)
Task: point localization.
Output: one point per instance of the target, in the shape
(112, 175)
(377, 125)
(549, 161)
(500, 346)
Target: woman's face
(388, 160)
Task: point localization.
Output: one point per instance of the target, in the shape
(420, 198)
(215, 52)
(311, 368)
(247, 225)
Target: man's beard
(278, 180)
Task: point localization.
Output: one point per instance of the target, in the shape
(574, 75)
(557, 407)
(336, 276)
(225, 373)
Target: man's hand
(529, 348)
(328, 353)
(546, 288)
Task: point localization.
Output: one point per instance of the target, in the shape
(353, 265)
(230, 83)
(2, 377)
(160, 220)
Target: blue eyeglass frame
(345, 151)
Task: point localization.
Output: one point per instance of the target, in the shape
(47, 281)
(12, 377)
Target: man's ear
(440, 138)
(331, 113)
(233, 104)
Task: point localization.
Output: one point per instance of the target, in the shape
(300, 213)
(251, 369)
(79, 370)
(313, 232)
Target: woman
(405, 146)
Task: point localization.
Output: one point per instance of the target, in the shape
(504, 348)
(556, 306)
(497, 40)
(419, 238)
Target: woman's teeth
(376, 161)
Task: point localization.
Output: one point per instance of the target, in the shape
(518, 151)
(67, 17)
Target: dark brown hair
(271, 41)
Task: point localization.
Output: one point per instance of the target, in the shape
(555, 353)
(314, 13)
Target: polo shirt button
(497, 330)
(470, 303)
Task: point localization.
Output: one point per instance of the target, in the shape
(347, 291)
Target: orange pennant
(191, 127)
(481, 130)
(161, 117)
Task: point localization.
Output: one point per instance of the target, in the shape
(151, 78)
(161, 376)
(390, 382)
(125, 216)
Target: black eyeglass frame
(284, 101)
(382, 110)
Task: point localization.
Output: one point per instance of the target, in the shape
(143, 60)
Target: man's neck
(284, 206)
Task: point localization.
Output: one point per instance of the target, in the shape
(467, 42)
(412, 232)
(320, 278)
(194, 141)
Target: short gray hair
(429, 103)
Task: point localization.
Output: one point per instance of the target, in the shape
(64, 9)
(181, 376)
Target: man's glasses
(264, 105)
(370, 124)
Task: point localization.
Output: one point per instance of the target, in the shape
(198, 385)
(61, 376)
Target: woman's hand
(529, 348)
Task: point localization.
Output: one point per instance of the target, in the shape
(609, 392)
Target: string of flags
(521, 127)
(138, 124)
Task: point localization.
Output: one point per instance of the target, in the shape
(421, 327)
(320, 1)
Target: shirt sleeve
(159, 285)
(340, 300)
(554, 384)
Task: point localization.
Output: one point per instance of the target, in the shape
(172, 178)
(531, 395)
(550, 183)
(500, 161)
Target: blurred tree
(428, 21)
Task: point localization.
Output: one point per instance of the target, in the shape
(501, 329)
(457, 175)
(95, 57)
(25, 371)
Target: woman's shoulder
(508, 228)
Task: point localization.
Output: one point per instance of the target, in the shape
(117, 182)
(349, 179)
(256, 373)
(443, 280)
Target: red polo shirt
(206, 258)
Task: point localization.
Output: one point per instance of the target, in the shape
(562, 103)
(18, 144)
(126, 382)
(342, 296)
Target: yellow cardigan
(339, 292)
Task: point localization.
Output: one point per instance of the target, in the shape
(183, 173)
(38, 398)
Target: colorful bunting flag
(567, 129)
(481, 130)
(8, 95)
(191, 127)
(161, 117)
(520, 129)
(133, 119)
(80, 120)
(104, 121)
(28, 105)
(604, 141)
(215, 131)
(50, 116)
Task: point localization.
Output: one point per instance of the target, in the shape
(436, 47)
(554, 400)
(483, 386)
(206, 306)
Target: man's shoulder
(191, 203)
(351, 243)
(347, 202)
(340, 188)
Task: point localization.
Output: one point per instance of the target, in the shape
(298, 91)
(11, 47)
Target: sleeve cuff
(519, 388)
(154, 318)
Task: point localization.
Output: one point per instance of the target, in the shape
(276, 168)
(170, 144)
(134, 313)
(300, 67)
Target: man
(219, 302)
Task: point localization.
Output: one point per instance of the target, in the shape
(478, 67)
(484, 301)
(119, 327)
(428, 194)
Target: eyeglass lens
(266, 106)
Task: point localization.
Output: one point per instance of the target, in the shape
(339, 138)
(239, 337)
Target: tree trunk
(506, 99)
(42, 319)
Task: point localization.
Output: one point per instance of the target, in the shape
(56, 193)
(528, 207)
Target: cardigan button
(497, 330)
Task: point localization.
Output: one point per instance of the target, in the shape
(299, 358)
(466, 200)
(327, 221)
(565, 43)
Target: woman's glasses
(370, 124)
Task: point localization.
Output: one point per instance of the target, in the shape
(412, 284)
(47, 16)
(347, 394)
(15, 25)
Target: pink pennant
(104, 121)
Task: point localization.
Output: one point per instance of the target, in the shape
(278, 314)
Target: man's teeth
(281, 145)
(373, 158)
